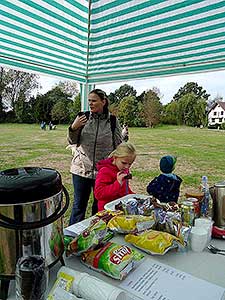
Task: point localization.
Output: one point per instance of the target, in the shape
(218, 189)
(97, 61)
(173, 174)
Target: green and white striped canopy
(100, 41)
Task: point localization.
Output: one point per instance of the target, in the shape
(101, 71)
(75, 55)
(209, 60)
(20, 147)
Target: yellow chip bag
(153, 242)
(130, 223)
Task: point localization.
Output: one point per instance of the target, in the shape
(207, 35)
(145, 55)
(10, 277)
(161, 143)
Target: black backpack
(112, 125)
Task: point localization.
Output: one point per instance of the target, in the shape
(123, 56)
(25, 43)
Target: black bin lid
(28, 184)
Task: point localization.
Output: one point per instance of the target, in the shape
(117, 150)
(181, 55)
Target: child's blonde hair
(124, 149)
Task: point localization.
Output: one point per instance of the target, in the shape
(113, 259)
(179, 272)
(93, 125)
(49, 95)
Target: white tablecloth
(204, 265)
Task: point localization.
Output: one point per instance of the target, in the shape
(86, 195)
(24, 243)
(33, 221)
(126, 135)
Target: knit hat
(167, 163)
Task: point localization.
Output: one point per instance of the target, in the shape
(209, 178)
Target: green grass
(199, 152)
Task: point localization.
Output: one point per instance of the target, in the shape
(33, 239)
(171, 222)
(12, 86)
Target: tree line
(60, 105)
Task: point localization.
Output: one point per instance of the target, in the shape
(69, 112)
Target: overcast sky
(212, 82)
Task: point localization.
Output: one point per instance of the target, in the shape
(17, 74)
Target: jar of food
(187, 213)
(196, 204)
(194, 194)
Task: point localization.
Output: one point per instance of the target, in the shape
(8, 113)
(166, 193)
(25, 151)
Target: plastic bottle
(206, 206)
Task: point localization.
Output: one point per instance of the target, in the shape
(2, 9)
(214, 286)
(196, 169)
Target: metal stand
(5, 280)
(4, 289)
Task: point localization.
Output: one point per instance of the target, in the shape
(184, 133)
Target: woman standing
(95, 139)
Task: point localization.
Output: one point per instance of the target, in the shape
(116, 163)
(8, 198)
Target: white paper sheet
(156, 281)
(75, 229)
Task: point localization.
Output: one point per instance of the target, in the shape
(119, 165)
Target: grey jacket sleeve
(118, 133)
(72, 135)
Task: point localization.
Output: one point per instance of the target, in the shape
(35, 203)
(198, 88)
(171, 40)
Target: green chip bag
(113, 259)
(90, 238)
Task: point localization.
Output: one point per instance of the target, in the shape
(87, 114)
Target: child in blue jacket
(166, 186)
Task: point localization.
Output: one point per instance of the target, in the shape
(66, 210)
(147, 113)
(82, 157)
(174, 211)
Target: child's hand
(120, 176)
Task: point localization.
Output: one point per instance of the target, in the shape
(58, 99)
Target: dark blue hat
(167, 163)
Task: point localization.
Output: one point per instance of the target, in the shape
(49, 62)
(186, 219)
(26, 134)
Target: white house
(216, 114)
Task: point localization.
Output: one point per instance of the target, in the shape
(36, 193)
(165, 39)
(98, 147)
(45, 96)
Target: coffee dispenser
(218, 194)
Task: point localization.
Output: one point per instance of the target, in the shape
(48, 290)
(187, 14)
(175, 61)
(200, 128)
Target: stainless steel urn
(218, 195)
(31, 211)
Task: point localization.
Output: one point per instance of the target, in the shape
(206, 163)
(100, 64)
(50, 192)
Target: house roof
(220, 103)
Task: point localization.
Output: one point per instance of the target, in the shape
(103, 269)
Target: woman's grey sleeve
(72, 135)
(118, 133)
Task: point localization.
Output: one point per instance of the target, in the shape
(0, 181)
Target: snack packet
(112, 259)
(107, 215)
(95, 235)
(130, 223)
(153, 242)
(136, 206)
(145, 206)
(167, 221)
(64, 281)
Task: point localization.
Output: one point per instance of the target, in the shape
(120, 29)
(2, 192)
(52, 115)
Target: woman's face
(124, 163)
(96, 103)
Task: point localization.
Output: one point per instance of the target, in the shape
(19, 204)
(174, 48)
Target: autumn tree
(170, 113)
(75, 108)
(191, 88)
(122, 92)
(60, 112)
(128, 111)
(2, 111)
(24, 109)
(152, 108)
(192, 110)
(15, 84)
(45, 103)
(69, 88)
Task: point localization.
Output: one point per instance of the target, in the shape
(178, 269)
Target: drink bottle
(206, 206)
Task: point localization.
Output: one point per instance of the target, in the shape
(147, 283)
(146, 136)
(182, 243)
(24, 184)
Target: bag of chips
(96, 234)
(136, 206)
(112, 259)
(107, 215)
(130, 223)
(153, 242)
(167, 221)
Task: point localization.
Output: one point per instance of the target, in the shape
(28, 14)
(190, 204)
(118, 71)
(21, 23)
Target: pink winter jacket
(107, 188)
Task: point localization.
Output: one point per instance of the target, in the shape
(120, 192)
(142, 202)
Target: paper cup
(199, 237)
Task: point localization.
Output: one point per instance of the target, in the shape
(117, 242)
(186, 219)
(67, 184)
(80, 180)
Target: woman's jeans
(82, 190)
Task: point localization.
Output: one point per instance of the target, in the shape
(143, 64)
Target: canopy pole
(85, 89)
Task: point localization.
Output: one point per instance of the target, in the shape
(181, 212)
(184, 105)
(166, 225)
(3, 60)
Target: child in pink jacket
(112, 181)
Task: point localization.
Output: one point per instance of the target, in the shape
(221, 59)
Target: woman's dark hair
(102, 95)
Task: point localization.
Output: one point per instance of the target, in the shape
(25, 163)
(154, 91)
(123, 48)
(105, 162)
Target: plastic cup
(198, 239)
(207, 224)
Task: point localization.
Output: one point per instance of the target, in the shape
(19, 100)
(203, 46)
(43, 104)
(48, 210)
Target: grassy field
(199, 152)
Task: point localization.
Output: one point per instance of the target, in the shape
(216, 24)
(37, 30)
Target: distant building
(216, 114)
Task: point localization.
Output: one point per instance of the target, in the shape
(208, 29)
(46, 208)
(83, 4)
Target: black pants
(82, 190)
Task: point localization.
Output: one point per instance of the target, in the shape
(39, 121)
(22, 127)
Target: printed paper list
(156, 281)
